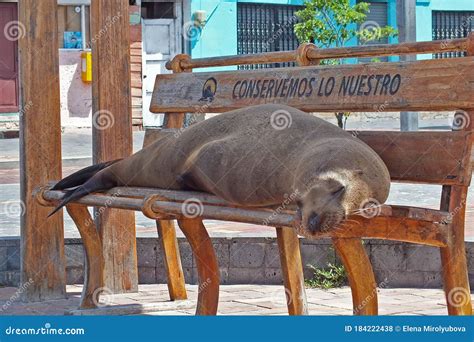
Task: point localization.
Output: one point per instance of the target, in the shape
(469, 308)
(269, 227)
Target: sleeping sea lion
(255, 156)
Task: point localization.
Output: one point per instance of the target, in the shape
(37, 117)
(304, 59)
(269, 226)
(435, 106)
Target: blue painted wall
(219, 35)
(424, 16)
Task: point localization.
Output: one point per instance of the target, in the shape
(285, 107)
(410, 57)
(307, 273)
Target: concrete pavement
(239, 300)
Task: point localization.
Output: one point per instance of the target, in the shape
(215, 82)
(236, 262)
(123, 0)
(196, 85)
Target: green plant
(328, 277)
(329, 23)
(334, 22)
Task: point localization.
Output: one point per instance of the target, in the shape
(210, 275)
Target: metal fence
(449, 25)
(265, 28)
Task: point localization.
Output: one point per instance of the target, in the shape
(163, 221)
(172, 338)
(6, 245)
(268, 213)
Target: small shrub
(328, 277)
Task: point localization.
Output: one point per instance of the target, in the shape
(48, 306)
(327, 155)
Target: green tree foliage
(329, 23)
(334, 22)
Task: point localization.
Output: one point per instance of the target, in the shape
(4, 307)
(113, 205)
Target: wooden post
(43, 271)
(112, 132)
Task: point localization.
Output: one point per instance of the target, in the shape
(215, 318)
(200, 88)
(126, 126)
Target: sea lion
(255, 156)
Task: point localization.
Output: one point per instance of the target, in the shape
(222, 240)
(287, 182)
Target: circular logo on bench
(209, 90)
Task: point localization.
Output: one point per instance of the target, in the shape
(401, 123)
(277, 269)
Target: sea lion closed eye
(255, 156)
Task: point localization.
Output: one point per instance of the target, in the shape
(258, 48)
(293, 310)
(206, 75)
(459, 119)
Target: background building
(202, 28)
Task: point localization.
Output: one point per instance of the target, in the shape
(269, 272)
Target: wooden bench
(441, 158)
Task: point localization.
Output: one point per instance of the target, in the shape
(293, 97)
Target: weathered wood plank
(422, 157)
(445, 84)
(112, 132)
(42, 240)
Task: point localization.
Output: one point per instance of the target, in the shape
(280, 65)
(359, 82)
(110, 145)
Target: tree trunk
(340, 119)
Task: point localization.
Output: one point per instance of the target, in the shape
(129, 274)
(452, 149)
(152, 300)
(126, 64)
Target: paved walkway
(77, 146)
(239, 300)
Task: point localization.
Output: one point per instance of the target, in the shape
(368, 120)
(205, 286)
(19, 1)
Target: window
(73, 26)
(158, 10)
(449, 25)
(377, 16)
(265, 28)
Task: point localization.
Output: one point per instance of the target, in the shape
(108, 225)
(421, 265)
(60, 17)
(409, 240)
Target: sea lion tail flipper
(81, 176)
(87, 181)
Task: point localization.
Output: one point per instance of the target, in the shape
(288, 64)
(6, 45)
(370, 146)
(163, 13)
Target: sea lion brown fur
(255, 156)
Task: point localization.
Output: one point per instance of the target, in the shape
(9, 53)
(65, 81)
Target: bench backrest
(428, 85)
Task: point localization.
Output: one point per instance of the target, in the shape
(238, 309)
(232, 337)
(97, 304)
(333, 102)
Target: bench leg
(172, 259)
(360, 274)
(453, 257)
(456, 281)
(292, 270)
(94, 266)
(206, 262)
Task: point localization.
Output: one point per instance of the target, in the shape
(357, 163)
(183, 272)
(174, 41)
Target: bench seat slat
(394, 222)
(205, 198)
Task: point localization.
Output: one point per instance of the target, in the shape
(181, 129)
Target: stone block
(74, 255)
(272, 255)
(317, 255)
(146, 275)
(416, 279)
(74, 275)
(222, 250)
(147, 253)
(247, 254)
(273, 276)
(246, 275)
(423, 258)
(3, 258)
(388, 257)
(10, 278)
(223, 274)
(13, 258)
(186, 254)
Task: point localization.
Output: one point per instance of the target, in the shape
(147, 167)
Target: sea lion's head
(330, 199)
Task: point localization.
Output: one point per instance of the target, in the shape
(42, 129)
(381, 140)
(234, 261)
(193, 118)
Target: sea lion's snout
(314, 223)
(320, 210)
